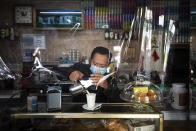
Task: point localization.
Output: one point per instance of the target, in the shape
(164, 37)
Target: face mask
(94, 70)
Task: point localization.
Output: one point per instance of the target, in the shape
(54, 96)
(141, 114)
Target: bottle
(7, 31)
(95, 18)
(116, 35)
(16, 34)
(2, 33)
(11, 33)
(126, 35)
(85, 18)
(107, 34)
(111, 35)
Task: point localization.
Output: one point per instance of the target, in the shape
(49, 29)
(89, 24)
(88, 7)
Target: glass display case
(124, 113)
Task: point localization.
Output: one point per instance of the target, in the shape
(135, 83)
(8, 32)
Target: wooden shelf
(7, 41)
(180, 45)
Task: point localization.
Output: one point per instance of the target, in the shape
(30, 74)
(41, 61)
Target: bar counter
(107, 110)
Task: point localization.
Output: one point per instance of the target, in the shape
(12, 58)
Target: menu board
(58, 19)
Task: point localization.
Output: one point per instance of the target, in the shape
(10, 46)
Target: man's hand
(96, 77)
(75, 75)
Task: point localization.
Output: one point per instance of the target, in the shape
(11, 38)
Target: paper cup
(91, 100)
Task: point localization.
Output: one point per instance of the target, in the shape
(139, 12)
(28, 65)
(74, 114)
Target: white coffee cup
(91, 97)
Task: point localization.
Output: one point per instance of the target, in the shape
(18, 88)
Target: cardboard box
(143, 126)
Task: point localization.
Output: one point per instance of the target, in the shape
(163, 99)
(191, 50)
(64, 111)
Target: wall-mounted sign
(46, 19)
(33, 41)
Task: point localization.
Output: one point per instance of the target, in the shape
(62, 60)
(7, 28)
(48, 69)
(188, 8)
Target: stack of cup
(74, 54)
(77, 55)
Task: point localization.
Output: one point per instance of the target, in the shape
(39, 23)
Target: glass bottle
(7, 31)
(111, 35)
(107, 34)
(2, 31)
(11, 36)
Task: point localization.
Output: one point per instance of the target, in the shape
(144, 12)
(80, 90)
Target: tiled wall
(59, 42)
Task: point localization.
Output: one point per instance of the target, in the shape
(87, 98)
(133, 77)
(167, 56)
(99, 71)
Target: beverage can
(31, 103)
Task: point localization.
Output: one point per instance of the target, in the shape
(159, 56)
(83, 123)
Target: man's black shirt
(103, 95)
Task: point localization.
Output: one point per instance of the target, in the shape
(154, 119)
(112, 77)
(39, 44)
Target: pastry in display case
(111, 117)
(116, 125)
(141, 91)
(97, 125)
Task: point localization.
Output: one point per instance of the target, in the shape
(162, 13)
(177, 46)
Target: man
(99, 61)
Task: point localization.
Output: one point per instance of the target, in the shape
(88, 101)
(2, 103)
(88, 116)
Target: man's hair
(103, 51)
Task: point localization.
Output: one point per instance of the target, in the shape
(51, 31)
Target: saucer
(96, 107)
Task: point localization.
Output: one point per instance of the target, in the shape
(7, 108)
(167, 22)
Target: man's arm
(77, 71)
(75, 75)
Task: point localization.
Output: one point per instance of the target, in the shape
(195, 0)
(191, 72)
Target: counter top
(172, 114)
(108, 110)
(67, 108)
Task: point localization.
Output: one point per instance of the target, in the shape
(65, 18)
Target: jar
(179, 95)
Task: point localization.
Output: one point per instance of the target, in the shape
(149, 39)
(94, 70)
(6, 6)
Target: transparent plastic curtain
(37, 52)
(154, 42)
(5, 72)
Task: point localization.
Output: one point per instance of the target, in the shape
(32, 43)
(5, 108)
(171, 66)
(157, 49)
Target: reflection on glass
(168, 40)
(161, 20)
(5, 72)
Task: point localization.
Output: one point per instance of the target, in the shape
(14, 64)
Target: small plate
(96, 107)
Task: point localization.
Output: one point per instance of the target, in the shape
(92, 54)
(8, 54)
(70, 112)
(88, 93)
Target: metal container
(54, 98)
(74, 55)
(179, 95)
(77, 88)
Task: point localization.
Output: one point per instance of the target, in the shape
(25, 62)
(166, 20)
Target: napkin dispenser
(54, 98)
